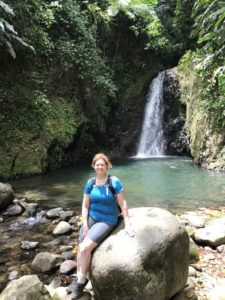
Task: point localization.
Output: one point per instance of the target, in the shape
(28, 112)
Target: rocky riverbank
(44, 243)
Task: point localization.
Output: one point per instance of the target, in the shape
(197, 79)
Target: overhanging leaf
(209, 36)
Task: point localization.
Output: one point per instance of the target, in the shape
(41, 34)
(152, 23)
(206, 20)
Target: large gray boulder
(28, 287)
(152, 265)
(6, 195)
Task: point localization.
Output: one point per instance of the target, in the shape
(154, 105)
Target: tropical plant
(210, 25)
(209, 29)
(8, 35)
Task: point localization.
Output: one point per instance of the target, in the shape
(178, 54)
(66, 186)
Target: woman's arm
(85, 208)
(123, 205)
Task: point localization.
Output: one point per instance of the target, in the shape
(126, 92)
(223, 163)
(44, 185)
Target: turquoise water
(174, 183)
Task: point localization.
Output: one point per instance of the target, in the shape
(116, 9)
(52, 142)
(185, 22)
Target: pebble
(13, 275)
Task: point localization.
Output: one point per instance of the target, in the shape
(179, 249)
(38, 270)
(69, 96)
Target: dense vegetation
(72, 71)
(209, 58)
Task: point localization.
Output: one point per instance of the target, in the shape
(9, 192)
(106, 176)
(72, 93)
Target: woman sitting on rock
(99, 215)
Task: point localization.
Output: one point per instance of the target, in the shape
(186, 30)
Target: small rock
(67, 255)
(220, 249)
(64, 248)
(194, 220)
(192, 271)
(65, 215)
(54, 242)
(26, 245)
(73, 220)
(31, 209)
(67, 266)
(13, 275)
(62, 228)
(1, 220)
(14, 210)
(53, 213)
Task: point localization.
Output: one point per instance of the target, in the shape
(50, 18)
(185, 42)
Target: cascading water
(151, 140)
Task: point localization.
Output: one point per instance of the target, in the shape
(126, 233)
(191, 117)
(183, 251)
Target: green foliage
(8, 35)
(38, 117)
(209, 60)
(210, 25)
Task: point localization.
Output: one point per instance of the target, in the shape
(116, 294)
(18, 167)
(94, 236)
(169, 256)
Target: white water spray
(151, 140)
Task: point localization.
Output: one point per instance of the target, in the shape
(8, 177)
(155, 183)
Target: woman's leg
(84, 255)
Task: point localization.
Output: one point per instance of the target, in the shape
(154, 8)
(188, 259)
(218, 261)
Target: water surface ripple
(174, 183)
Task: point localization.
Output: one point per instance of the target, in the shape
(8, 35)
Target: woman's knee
(86, 247)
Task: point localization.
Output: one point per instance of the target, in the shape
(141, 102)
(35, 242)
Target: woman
(99, 215)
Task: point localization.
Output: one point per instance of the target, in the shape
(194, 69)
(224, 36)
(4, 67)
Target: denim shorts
(98, 230)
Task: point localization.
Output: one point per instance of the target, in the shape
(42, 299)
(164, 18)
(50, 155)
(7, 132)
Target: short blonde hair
(101, 156)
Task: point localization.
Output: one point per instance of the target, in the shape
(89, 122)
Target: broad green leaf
(220, 20)
(209, 36)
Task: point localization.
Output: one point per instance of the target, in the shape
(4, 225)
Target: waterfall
(151, 140)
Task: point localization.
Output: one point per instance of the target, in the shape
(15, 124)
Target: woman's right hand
(85, 230)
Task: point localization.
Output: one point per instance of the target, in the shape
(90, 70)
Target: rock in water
(6, 195)
(152, 265)
(25, 288)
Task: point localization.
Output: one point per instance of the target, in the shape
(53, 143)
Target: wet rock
(46, 261)
(14, 210)
(152, 265)
(31, 209)
(67, 255)
(26, 245)
(13, 275)
(65, 215)
(53, 213)
(6, 195)
(54, 242)
(67, 266)
(213, 234)
(62, 228)
(25, 288)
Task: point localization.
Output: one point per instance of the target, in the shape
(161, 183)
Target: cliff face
(207, 143)
(176, 142)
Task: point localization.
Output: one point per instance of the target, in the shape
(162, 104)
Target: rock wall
(176, 142)
(207, 144)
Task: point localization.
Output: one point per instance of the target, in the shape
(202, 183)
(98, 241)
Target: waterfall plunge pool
(173, 183)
